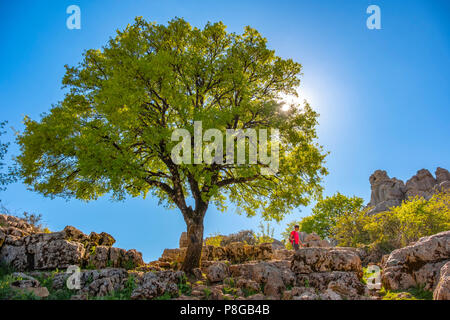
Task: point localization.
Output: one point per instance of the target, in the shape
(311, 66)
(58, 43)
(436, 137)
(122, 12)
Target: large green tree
(112, 133)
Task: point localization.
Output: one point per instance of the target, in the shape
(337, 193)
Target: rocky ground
(37, 264)
(33, 263)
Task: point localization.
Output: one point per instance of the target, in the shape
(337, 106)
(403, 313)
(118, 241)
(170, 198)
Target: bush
(397, 227)
(325, 214)
(265, 234)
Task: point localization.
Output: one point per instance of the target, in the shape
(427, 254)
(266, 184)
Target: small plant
(207, 293)
(306, 283)
(184, 286)
(129, 265)
(165, 296)
(214, 239)
(228, 290)
(265, 234)
(248, 292)
(414, 293)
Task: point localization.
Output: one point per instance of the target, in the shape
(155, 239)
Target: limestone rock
(308, 260)
(102, 239)
(95, 282)
(217, 272)
(421, 184)
(347, 282)
(15, 256)
(56, 254)
(99, 259)
(442, 291)
(157, 284)
(418, 263)
(387, 192)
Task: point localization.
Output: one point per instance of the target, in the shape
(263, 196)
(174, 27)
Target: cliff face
(388, 192)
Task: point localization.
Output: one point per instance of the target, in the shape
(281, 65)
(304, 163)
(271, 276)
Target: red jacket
(295, 235)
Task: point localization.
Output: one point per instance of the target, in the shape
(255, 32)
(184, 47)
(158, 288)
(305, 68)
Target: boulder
(308, 260)
(345, 282)
(94, 282)
(417, 264)
(99, 258)
(132, 259)
(15, 256)
(421, 184)
(101, 239)
(442, 291)
(56, 254)
(217, 272)
(116, 257)
(272, 276)
(283, 254)
(244, 236)
(155, 284)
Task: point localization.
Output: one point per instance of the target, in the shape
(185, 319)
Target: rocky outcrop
(235, 252)
(389, 192)
(272, 276)
(155, 284)
(217, 272)
(94, 283)
(26, 248)
(245, 236)
(336, 272)
(310, 260)
(442, 291)
(310, 240)
(417, 264)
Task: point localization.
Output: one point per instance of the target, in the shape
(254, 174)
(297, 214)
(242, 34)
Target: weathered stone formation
(442, 291)
(235, 252)
(25, 248)
(419, 264)
(244, 236)
(336, 272)
(313, 240)
(389, 192)
(313, 273)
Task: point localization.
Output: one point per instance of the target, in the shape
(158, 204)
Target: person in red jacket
(294, 238)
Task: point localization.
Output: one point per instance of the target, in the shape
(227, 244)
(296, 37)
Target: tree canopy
(112, 133)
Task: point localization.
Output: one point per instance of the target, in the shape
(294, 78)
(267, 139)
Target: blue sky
(383, 95)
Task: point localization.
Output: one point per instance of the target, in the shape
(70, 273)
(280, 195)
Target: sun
(291, 100)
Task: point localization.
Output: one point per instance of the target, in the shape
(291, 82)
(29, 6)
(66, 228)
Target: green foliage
(184, 286)
(414, 293)
(351, 230)
(325, 214)
(55, 294)
(214, 240)
(207, 292)
(265, 234)
(8, 293)
(397, 227)
(249, 292)
(112, 132)
(328, 210)
(165, 296)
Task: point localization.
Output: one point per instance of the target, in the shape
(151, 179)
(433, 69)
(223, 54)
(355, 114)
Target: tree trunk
(194, 248)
